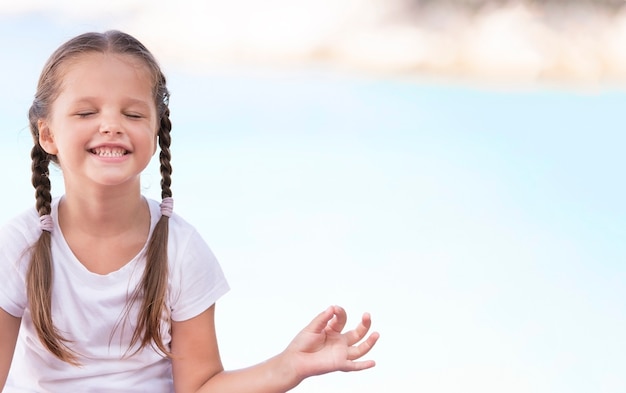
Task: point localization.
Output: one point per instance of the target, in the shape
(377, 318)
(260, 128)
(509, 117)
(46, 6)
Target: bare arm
(9, 327)
(319, 348)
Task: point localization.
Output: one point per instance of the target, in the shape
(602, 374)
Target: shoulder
(184, 240)
(179, 228)
(196, 278)
(23, 229)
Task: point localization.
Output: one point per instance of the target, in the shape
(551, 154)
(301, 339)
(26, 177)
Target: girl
(105, 290)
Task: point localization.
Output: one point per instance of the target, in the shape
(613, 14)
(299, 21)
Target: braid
(165, 156)
(40, 179)
(154, 283)
(39, 274)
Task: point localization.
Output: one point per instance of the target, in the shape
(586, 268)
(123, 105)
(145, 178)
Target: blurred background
(452, 167)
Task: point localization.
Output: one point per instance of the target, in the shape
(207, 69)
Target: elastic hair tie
(167, 206)
(46, 223)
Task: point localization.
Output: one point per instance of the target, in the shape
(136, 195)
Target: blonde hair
(153, 287)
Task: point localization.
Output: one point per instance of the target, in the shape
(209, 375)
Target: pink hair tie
(167, 206)
(46, 223)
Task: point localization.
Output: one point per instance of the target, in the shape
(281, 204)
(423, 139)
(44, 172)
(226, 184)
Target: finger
(319, 323)
(358, 366)
(362, 349)
(356, 335)
(339, 321)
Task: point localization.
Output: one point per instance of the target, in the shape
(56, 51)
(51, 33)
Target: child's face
(103, 124)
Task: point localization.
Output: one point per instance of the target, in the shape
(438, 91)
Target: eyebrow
(127, 101)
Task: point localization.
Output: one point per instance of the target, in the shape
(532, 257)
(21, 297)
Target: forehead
(93, 69)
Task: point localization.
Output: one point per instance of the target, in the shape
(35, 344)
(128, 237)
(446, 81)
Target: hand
(321, 347)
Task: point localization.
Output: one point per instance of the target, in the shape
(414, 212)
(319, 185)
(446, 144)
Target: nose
(111, 125)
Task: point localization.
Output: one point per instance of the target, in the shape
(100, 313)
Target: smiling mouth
(109, 151)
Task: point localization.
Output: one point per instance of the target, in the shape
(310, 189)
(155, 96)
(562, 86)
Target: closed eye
(83, 115)
(133, 115)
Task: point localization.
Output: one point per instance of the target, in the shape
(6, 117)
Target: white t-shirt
(88, 309)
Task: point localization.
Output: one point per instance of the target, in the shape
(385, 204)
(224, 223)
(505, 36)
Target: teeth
(109, 151)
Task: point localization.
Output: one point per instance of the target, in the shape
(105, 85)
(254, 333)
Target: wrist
(285, 370)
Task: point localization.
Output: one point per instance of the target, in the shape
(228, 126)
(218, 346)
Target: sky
(482, 226)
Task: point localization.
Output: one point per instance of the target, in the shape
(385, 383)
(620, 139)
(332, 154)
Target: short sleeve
(196, 278)
(15, 241)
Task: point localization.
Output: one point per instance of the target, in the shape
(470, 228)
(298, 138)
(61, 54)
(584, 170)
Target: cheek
(156, 143)
(156, 134)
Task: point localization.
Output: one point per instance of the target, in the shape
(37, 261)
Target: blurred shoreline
(516, 43)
